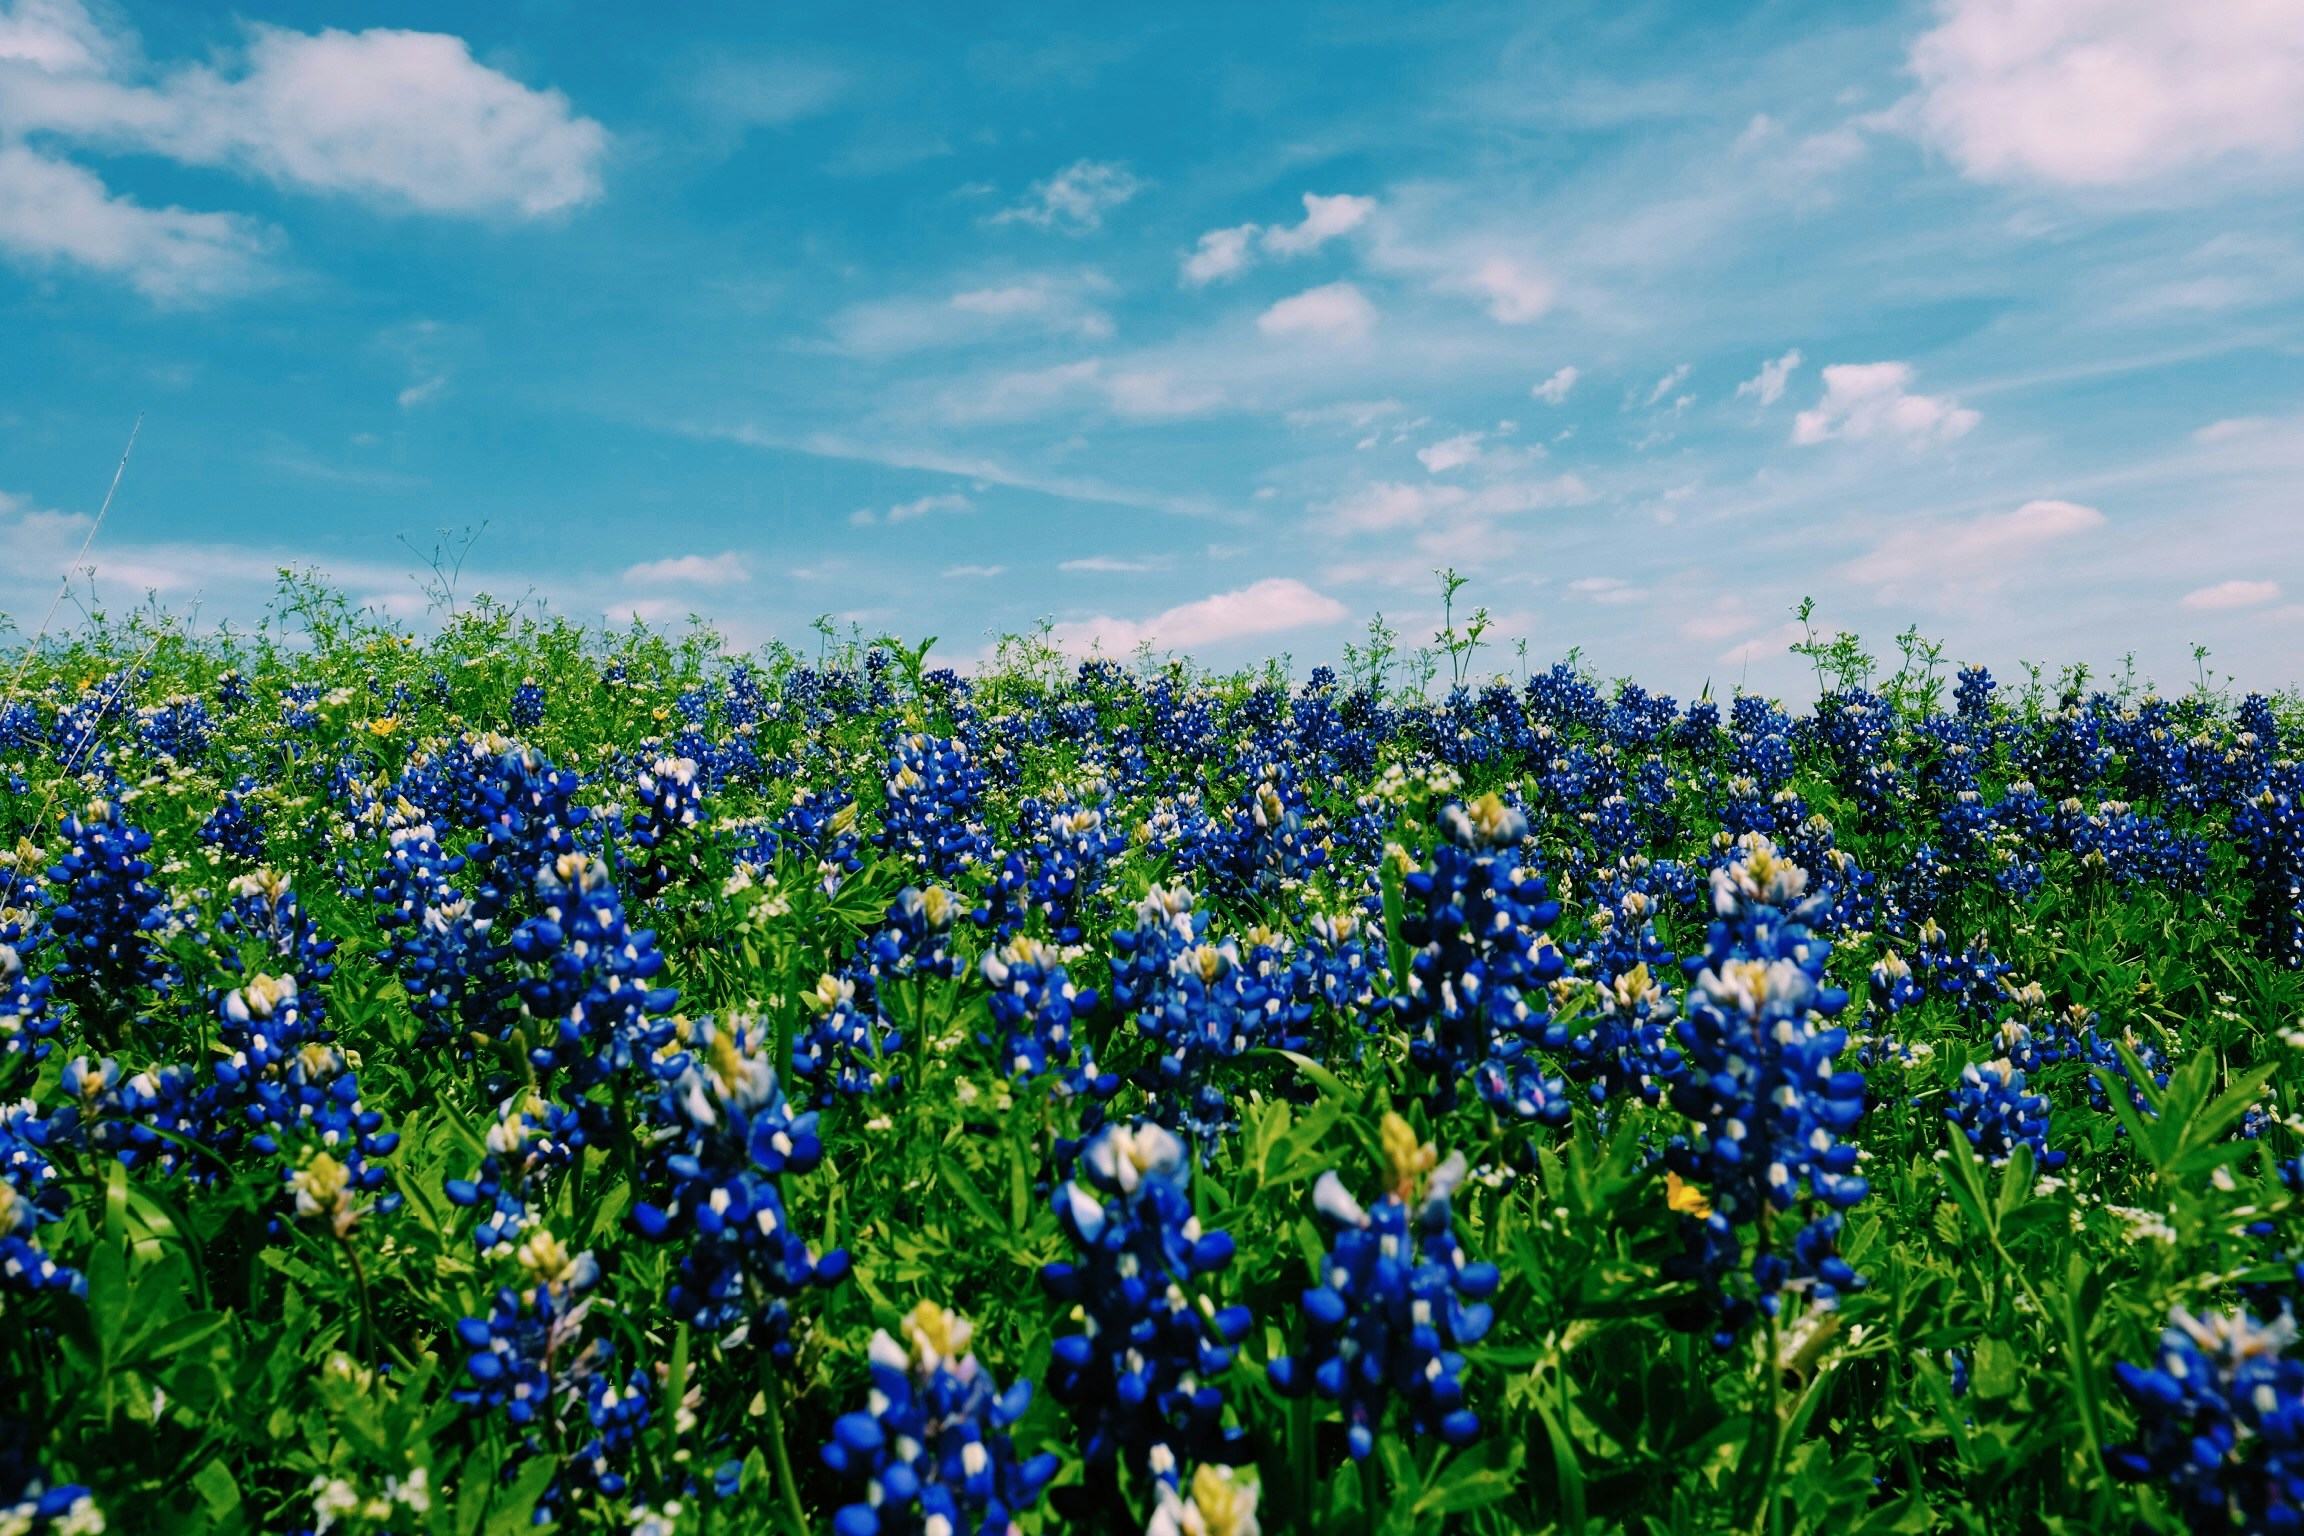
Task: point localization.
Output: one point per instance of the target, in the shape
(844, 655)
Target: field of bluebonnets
(537, 1077)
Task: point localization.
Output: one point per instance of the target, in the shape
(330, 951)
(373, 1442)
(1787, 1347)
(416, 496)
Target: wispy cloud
(2233, 594)
(1112, 563)
(1272, 606)
(1226, 252)
(1864, 400)
(1334, 312)
(1075, 199)
(1767, 386)
(1977, 554)
(911, 511)
(1555, 389)
(725, 569)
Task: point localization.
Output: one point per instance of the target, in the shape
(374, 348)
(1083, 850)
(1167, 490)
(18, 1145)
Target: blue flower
(1141, 1378)
(2220, 1422)
(1475, 988)
(731, 1135)
(933, 1444)
(590, 984)
(1398, 1300)
(527, 707)
(104, 916)
(1759, 1081)
(1995, 1113)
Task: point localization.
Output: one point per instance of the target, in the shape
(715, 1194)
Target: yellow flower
(937, 1336)
(383, 725)
(1405, 1158)
(1685, 1197)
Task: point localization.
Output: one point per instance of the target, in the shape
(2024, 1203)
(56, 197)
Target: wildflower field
(532, 1077)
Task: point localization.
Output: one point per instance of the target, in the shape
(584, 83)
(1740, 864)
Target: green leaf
(1567, 1468)
(515, 1509)
(213, 1482)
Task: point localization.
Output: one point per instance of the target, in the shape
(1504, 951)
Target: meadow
(530, 1076)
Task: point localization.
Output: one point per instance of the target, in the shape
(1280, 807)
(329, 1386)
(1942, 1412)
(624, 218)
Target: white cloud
(1606, 589)
(1075, 199)
(1153, 392)
(407, 118)
(423, 392)
(911, 511)
(1976, 554)
(1138, 393)
(725, 569)
(1324, 219)
(1227, 252)
(1514, 294)
(771, 93)
(52, 211)
(58, 37)
(1384, 505)
(1555, 389)
(2231, 427)
(969, 572)
(1112, 563)
(1767, 647)
(1055, 304)
(2233, 594)
(1451, 453)
(1870, 400)
(1668, 383)
(1221, 253)
(1331, 312)
(1266, 607)
(2102, 92)
(1768, 385)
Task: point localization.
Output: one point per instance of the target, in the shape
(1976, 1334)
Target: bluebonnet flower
(526, 711)
(1396, 1303)
(1141, 1377)
(1055, 876)
(31, 1196)
(732, 1136)
(142, 1118)
(615, 1415)
(26, 1021)
(1475, 987)
(30, 1505)
(104, 914)
(1627, 1048)
(178, 728)
(913, 940)
(847, 1047)
(1219, 1501)
(300, 707)
(934, 810)
(532, 1138)
(528, 1360)
(232, 829)
(933, 1445)
(2220, 1422)
(824, 824)
(590, 988)
(443, 949)
(1994, 1112)
(1201, 1005)
(2268, 827)
(1758, 1079)
(670, 802)
(1034, 1004)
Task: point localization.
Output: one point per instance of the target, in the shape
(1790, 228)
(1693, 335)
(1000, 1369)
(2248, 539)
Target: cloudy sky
(1217, 327)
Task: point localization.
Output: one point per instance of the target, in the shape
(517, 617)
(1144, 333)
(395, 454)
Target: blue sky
(1218, 328)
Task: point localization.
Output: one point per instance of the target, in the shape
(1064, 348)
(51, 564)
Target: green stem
(772, 1393)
